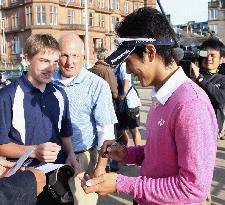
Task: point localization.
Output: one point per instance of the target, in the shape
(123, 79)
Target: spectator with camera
(209, 79)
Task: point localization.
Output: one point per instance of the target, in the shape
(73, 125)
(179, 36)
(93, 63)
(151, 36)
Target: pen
(118, 141)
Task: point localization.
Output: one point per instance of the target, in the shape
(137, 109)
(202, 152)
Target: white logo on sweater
(161, 122)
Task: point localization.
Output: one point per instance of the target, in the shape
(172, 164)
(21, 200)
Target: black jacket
(214, 86)
(19, 189)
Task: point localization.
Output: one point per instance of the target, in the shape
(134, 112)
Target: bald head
(74, 39)
(72, 55)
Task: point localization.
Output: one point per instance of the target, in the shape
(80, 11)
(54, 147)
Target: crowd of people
(70, 115)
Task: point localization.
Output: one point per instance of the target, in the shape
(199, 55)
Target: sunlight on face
(42, 66)
(212, 62)
(72, 57)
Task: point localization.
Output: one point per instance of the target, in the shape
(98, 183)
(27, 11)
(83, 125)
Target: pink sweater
(178, 159)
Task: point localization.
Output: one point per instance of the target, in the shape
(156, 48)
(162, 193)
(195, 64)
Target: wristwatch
(200, 78)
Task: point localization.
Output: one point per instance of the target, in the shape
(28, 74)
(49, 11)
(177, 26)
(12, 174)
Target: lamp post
(3, 39)
(86, 33)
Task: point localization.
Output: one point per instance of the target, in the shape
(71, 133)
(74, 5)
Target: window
(3, 43)
(53, 15)
(98, 43)
(83, 2)
(101, 4)
(91, 19)
(28, 11)
(16, 44)
(15, 20)
(41, 15)
(114, 22)
(138, 5)
(112, 4)
(213, 14)
(101, 21)
(126, 7)
(213, 28)
(117, 4)
(71, 17)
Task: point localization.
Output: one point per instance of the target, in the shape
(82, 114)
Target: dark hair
(40, 42)
(215, 44)
(150, 23)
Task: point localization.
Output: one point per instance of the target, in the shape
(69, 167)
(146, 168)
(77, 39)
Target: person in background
(105, 71)
(178, 159)
(130, 117)
(26, 184)
(207, 76)
(222, 71)
(92, 112)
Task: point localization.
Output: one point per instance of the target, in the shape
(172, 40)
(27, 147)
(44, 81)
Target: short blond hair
(40, 42)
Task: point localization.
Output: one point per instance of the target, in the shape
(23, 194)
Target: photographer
(209, 79)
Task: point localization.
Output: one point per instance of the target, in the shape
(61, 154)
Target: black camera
(191, 56)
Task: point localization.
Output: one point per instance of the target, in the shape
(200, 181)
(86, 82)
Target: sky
(182, 11)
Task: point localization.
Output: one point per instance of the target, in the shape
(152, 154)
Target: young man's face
(71, 59)
(42, 67)
(142, 68)
(212, 62)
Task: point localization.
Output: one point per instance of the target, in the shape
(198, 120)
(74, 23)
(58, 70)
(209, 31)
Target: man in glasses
(178, 159)
(91, 109)
(208, 78)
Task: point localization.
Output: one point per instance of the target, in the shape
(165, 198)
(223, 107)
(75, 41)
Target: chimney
(150, 3)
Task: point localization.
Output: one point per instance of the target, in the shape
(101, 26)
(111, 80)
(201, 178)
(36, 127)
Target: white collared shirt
(163, 94)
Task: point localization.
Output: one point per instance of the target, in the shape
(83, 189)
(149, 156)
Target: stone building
(216, 18)
(21, 18)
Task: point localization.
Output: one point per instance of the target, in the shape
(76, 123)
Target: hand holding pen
(114, 150)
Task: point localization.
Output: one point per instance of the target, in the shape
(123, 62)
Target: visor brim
(119, 56)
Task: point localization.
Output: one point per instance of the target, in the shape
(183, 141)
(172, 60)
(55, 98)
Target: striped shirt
(91, 105)
(31, 117)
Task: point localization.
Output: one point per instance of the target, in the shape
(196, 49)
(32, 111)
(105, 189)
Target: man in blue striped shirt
(34, 112)
(91, 110)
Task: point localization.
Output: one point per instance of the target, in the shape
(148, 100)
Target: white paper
(46, 168)
(19, 162)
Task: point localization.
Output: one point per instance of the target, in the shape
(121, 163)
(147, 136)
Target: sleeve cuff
(125, 185)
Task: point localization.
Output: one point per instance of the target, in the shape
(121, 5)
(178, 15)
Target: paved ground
(218, 185)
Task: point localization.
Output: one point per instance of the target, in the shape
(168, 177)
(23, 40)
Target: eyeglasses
(74, 56)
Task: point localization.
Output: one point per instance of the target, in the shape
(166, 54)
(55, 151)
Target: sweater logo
(161, 122)
(218, 85)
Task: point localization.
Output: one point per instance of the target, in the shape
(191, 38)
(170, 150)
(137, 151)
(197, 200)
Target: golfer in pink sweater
(178, 159)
